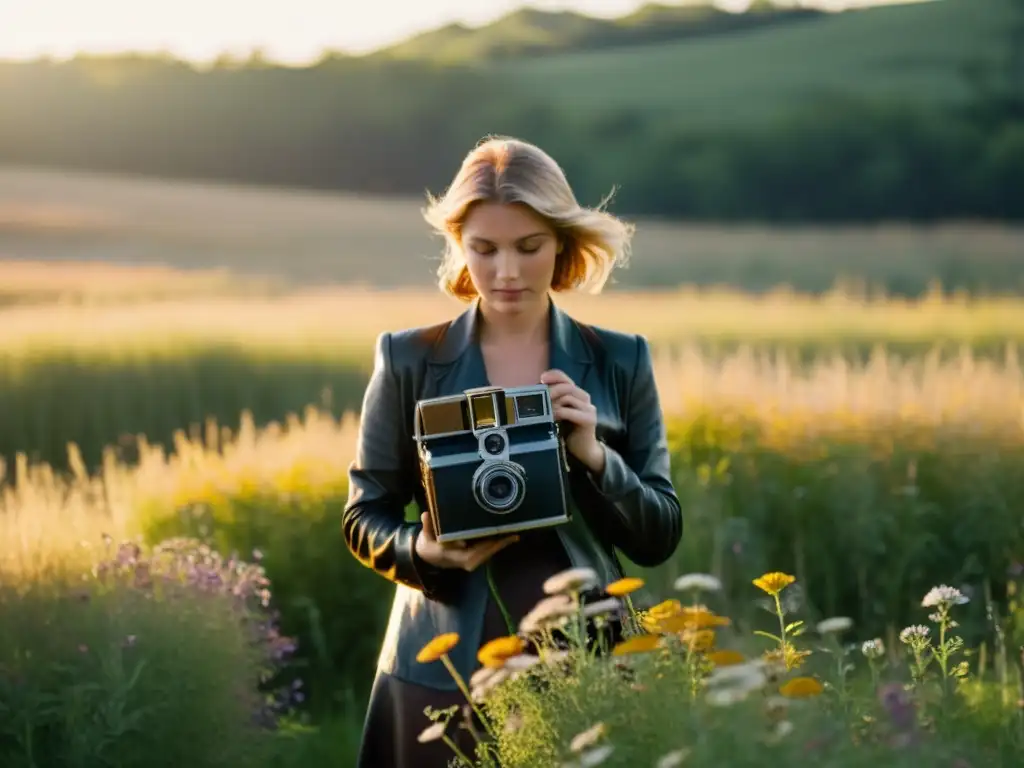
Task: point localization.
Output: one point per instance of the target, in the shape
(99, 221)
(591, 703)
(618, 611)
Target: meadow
(174, 583)
(871, 478)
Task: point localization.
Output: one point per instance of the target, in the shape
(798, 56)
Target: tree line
(393, 127)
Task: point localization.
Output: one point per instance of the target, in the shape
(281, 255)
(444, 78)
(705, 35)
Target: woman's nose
(508, 266)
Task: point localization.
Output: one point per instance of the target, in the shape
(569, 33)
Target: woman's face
(510, 252)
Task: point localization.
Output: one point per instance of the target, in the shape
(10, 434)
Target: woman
(514, 234)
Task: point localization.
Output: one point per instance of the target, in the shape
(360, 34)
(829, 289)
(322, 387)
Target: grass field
(272, 236)
(873, 448)
(914, 50)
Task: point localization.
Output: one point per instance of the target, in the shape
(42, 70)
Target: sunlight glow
(294, 32)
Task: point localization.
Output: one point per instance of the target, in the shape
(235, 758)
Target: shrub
(157, 658)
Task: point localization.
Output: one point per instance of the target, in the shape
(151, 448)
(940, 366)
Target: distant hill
(529, 31)
(913, 53)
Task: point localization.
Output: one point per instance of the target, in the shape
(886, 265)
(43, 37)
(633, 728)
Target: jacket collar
(564, 336)
(457, 363)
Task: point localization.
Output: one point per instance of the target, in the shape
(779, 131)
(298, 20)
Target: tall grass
(100, 375)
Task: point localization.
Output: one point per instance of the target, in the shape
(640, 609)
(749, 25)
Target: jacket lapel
(569, 352)
(456, 363)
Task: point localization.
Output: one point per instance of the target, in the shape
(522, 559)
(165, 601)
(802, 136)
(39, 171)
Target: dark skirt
(395, 716)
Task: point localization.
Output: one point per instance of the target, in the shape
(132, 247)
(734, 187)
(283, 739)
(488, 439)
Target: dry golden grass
(345, 321)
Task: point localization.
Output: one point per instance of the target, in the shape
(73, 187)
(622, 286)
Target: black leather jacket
(632, 507)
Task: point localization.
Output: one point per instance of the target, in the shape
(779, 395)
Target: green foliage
(157, 661)
(866, 514)
(329, 602)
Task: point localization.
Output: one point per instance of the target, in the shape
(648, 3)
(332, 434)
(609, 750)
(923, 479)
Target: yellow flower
(699, 640)
(665, 609)
(437, 647)
(801, 686)
(773, 583)
(624, 586)
(636, 644)
(688, 619)
(725, 658)
(495, 653)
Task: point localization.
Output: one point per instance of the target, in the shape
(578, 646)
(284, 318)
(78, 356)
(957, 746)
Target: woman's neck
(519, 328)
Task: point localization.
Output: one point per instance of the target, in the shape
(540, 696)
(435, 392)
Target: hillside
(915, 52)
(529, 31)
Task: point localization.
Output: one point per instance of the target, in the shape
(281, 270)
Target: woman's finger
(571, 408)
(476, 556)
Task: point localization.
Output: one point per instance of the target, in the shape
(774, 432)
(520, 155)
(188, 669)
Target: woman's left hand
(572, 404)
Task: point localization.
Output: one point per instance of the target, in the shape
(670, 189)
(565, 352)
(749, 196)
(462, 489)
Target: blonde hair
(507, 170)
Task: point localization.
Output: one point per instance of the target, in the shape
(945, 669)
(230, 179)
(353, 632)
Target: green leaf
(793, 625)
(769, 635)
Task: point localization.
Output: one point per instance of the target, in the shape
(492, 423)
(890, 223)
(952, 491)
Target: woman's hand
(572, 404)
(463, 555)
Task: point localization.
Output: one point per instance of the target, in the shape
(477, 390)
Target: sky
(288, 31)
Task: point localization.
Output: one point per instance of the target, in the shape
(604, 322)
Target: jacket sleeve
(381, 483)
(642, 510)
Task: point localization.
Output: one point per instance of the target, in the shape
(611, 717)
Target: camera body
(493, 462)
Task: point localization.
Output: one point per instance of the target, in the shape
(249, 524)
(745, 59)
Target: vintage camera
(493, 462)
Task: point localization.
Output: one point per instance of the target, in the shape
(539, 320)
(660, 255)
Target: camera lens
(499, 488)
(494, 444)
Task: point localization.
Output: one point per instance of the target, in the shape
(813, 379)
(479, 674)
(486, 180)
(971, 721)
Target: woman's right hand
(456, 555)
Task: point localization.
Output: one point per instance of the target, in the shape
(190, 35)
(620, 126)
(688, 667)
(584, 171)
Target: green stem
(465, 692)
(782, 629)
(497, 599)
(455, 748)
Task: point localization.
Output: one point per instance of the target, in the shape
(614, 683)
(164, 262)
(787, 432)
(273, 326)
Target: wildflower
(699, 640)
(432, 732)
(521, 662)
(596, 756)
(481, 676)
(774, 583)
(623, 587)
(782, 729)
(800, 687)
(698, 582)
(588, 738)
(571, 580)
(834, 625)
(550, 610)
(672, 759)
(665, 609)
(497, 651)
(726, 697)
(601, 607)
(687, 619)
(437, 647)
(488, 684)
(725, 658)
(636, 644)
(776, 706)
(873, 649)
(748, 675)
(514, 723)
(943, 596)
(914, 634)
